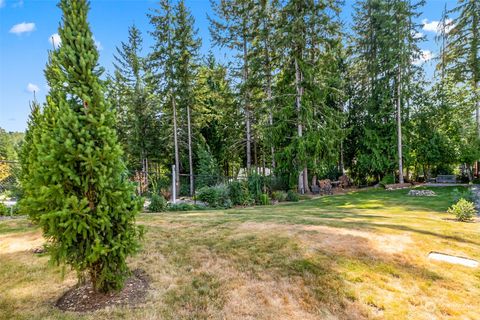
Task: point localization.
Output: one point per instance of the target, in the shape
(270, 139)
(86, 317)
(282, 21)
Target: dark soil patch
(83, 298)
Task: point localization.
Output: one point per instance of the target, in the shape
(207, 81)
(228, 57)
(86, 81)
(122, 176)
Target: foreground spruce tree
(77, 190)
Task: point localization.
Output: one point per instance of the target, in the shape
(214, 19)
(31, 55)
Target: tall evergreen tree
(163, 60)
(235, 29)
(131, 90)
(217, 116)
(462, 52)
(78, 191)
(186, 45)
(307, 30)
(387, 81)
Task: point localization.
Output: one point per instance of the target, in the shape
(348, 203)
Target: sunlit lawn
(361, 255)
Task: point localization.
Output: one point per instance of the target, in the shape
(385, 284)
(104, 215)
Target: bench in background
(446, 179)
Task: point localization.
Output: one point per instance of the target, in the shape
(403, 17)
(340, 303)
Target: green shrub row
(9, 211)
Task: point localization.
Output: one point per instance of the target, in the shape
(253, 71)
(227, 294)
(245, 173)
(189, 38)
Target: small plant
(157, 203)
(464, 210)
(264, 199)
(4, 211)
(292, 196)
(388, 179)
(239, 194)
(465, 194)
(215, 197)
(280, 196)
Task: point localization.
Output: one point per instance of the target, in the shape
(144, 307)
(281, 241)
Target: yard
(357, 256)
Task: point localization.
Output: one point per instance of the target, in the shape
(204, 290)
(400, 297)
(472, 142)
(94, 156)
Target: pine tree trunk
(302, 178)
(477, 95)
(269, 94)
(175, 142)
(190, 161)
(342, 165)
(247, 107)
(399, 127)
(270, 117)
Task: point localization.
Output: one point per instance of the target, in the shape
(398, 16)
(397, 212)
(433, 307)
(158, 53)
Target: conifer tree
(387, 81)
(218, 116)
(131, 91)
(235, 29)
(78, 191)
(186, 50)
(163, 60)
(462, 51)
(307, 30)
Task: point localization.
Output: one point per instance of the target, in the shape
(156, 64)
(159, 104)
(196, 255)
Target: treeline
(10, 143)
(303, 96)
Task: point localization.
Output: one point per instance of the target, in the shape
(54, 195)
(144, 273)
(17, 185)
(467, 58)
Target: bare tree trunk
(190, 161)
(399, 126)
(302, 178)
(476, 88)
(270, 119)
(477, 94)
(247, 106)
(175, 142)
(342, 165)
(269, 95)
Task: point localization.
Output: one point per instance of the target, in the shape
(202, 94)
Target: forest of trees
(302, 98)
(302, 95)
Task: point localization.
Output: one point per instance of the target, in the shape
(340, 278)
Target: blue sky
(26, 27)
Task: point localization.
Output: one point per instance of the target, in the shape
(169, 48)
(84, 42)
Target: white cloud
(430, 26)
(18, 4)
(425, 55)
(32, 88)
(23, 27)
(55, 40)
(2, 3)
(433, 26)
(418, 35)
(97, 44)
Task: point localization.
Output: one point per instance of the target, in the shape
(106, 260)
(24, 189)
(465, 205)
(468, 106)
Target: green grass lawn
(355, 256)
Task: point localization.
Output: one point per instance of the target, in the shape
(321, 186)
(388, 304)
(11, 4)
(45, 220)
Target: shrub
(215, 197)
(388, 179)
(264, 199)
(157, 203)
(4, 211)
(255, 186)
(464, 210)
(292, 196)
(464, 194)
(15, 210)
(238, 193)
(280, 196)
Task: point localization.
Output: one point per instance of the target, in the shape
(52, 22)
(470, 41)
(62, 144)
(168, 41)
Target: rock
(38, 250)
(325, 186)
(345, 181)
(422, 193)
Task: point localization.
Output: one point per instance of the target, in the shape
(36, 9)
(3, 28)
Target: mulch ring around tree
(83, 298)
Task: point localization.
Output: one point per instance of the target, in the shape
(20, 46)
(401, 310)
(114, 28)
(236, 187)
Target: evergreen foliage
(75, 181)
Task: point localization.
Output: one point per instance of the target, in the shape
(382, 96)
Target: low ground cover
(354, 256)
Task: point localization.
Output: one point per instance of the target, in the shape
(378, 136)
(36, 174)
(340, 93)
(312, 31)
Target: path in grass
(355, 256)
